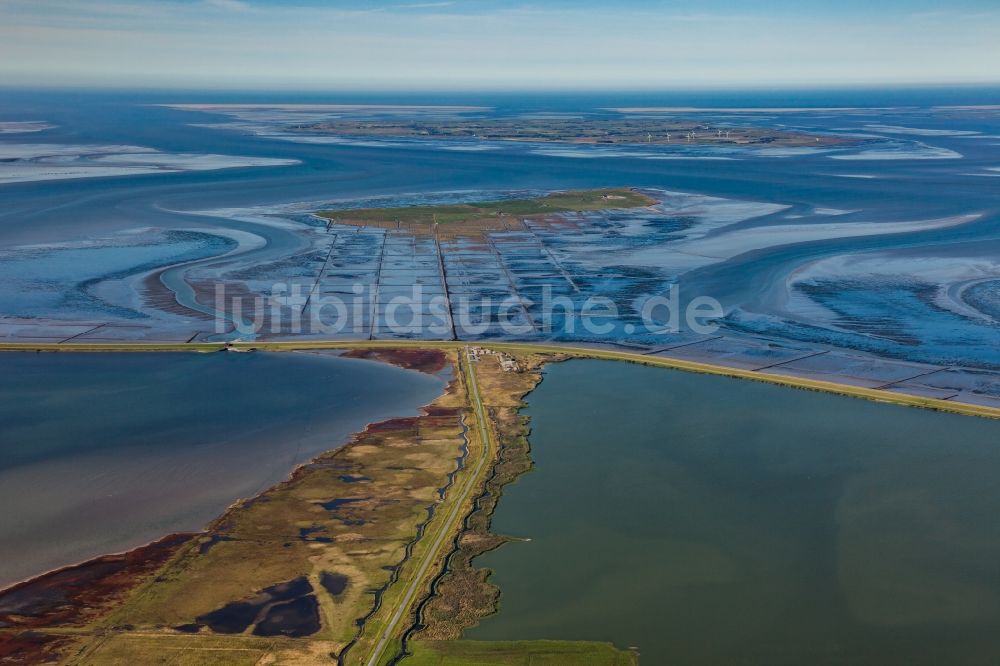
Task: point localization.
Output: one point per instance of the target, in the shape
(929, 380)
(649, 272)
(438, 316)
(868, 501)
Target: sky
(494, 45)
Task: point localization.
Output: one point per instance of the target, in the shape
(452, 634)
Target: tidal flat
(707, 520)
(881, 244)
(103, 452)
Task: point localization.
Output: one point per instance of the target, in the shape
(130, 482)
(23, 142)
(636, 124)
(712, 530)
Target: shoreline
(64, 568)
(459, 579)
(102, 598)
(187, 538)
(643, 357)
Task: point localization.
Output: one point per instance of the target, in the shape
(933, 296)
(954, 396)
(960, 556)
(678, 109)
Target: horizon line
(528, 89)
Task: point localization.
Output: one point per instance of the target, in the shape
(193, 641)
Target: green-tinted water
(715, 521)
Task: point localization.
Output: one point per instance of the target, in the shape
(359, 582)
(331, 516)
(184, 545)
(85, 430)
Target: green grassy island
(555, 203)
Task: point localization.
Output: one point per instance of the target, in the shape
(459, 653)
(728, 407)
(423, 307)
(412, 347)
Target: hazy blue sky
(546, 44)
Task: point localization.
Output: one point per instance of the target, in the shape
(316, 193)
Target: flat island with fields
(499, 214)
(648, 129)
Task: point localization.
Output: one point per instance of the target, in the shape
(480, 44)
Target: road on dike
(446, 529)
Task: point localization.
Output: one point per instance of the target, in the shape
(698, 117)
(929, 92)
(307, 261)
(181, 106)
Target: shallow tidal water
(708, 520)
(889, 247)
(103, 452)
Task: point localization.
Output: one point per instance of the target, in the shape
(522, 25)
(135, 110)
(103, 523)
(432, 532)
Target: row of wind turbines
(690, 136)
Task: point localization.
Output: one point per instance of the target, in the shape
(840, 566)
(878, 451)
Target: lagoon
(102, 452)
(709, 520)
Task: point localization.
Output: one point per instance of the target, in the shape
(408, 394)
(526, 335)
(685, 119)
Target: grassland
(429, 553)
(462, 595)
(518, 653)
(491, 211)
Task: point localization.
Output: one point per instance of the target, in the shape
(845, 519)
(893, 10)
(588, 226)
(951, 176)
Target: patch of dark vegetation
(31, 647)
(449, 412)
(233, 618)
(284, 609)
(351, 478)
(393, 425)
(296, 587)
(308, 534)
(207, 544)
(333, 583)
(334, 504)
(72, 597)
(295, 619)
(429, 361)
(77, 594)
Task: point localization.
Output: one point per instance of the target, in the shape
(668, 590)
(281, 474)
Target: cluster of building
(507, 362)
